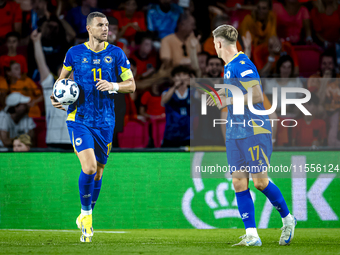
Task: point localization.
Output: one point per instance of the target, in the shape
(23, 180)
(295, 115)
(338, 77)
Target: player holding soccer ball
(248, 146)
(97, 66)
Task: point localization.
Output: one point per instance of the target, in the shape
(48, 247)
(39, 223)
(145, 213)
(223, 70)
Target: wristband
(271, 59)
(228, 100)
(115, 88)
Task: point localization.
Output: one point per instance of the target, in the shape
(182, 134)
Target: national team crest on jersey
(108, 59)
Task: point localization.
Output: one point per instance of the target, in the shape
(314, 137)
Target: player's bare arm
(63, 75)
(127, 86)
(257, 98)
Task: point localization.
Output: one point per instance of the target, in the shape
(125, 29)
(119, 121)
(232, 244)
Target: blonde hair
(25, 139)
(227, 32)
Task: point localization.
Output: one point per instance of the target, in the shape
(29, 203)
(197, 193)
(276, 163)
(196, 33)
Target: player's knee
(260, 184)
(90, 168)
(239, 184)
(98, 176)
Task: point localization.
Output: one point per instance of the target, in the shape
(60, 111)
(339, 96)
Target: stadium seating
(308, 57)
(158, 127)
(135, 135)
(40, 132)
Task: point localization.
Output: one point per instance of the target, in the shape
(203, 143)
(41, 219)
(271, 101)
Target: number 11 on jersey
(99, 70)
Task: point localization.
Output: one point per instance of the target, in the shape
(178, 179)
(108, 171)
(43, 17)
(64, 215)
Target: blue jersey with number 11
(95, 108)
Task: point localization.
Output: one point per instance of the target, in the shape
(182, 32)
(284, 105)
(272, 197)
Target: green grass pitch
(167, 241)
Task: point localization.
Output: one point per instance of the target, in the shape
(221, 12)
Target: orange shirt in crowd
(305, 134)
(258, 35)
(10, 14)
(314, 82)
(328, 26)
(153, 104)
(261, 55)
(144, 64)
(3, 92)
(209, 47)
(130, 32)
(172, 49)
(27, 87)
(5, 61)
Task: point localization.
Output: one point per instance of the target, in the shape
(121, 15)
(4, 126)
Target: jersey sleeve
(247, 74)
(68, 63)
(123, 66)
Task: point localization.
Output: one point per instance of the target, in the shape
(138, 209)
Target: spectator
(15, 120)
(285, 70)
(176, 101)
(215, 67)
(55, 46)
(76, 17)
(266, 56)
(113, 32)
(131, 110)
(218, 20)
(327, 71)
(3, 92)
(145, 57)
(292, 17)
(310, 131)
(175, 47)
(57, 135)
(130, 21)
(162, 18)
(326, 22)
(261, 23)
(11, 18)
(12, 42)
(24, 85)
(151, 107)
(22, 143)
(202, 62)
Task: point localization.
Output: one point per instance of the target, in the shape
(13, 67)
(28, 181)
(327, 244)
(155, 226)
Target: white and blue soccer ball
(66, 91)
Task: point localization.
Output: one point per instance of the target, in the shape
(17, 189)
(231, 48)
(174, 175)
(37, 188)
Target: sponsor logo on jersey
(227, 75)
(242, 62)
(84, 60)
(96, 61)
(108, 59)
(79, 141)
(246, 72)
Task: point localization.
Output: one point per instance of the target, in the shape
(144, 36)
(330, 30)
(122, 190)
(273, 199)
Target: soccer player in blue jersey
(248, 147)
(100, 70)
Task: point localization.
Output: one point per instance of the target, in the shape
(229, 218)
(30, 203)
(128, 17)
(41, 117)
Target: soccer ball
(66, 91)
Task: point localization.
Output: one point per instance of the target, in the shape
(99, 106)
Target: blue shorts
(84, 137)
(251, 154)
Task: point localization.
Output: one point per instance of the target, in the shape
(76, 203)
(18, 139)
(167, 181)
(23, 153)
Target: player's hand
(56, 104)
(104, 85)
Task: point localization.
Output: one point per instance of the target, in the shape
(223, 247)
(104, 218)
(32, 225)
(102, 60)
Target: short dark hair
(141, 36)
(182, 69)
(93, 15)
(13, 34)
(112, 20)
(280, 62)
(214, 57)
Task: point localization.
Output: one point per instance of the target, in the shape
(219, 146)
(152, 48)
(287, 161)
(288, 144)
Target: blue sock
(246, 208)
(274, 195)
(96, 190)
(86, 184)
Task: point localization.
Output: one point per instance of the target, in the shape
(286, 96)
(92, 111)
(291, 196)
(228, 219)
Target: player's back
(94, 108)
(241, 72)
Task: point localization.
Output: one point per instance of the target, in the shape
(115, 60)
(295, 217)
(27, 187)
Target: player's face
(218, 45)
(99, 28)
(18, 146)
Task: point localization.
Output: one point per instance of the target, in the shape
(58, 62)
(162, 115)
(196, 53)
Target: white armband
(228, 100)
(115, 88)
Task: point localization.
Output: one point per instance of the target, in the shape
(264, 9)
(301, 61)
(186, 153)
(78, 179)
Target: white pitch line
(61, 230)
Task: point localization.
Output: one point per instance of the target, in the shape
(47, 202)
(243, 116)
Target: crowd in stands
(293, 43)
